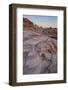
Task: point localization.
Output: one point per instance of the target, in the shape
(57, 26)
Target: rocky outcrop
(29, 25)
(40, 53)
(39, 48)
(51, 32)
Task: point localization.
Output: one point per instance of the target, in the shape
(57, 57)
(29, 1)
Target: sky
(44, 21)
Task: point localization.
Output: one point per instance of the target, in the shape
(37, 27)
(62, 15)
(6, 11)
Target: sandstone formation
(29, 25)
(39, 49)
(40, 54)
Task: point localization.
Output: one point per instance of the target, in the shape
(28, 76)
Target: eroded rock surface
(39, 53)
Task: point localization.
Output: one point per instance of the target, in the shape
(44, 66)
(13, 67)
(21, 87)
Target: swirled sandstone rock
(39, 53)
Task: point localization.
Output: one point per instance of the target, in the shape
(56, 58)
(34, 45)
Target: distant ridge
(29, 25)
